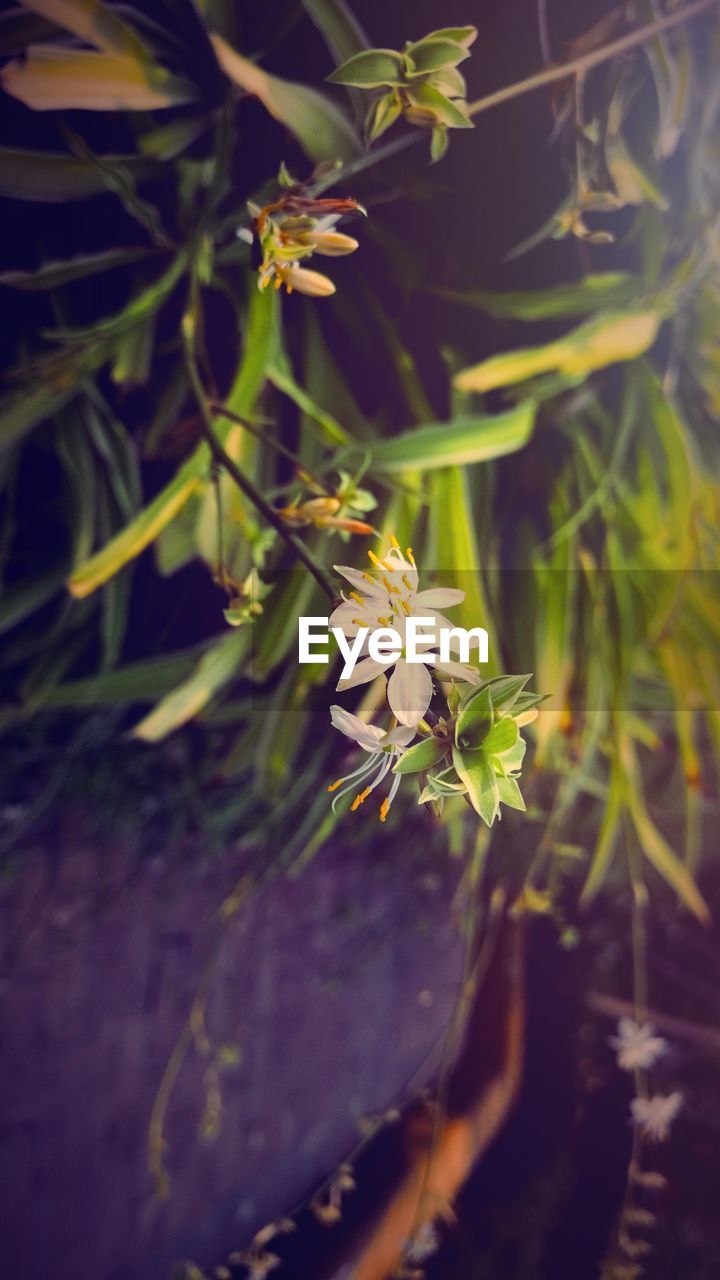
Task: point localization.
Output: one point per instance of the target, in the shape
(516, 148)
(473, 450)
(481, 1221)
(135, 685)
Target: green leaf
(52, 274)
(141, 531)
(55, 78)
(606, 289)
(170, 140)
(475, 718)
(382, 115)
(322, 130)
(133, 354)
(371, 69)
(474, 769)
(18, 602)
(443, 110)
(439, 142)
(137, 310)
(510, 794)
(602, 341)
(423, 755)
(281, 376)
(458, 443)
(664, 859)
(340, 28)
(505, 691)
(137, 682)
(215, 669)
(465, 36)
(46, 178)
(93, 22)
(433, 53)
(502, 737)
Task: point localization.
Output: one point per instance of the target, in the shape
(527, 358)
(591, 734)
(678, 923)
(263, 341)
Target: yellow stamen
(409, 554)
(407, 582)
(394, 542)
(334, 785)
(369, 578)
(375, 560)
(288, 287)
(277, 282)
(358, 599)
(384, 622)
(357, 622)
(384, 807)
(385, 583)
(406, 607)
(360, 799)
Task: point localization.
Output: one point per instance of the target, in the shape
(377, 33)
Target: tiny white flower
(382, 747)
(387, 598)
(638, 1047)
(654, 1116)
(423, 1244)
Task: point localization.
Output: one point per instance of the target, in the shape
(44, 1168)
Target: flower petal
(360, 581)
(437, 598)
(366, 669)
(367, 736)
(409, 691)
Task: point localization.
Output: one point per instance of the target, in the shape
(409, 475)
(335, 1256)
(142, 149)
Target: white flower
(387, 598)
(382, 748)
(654, 1116)
(638, 1047)
(423, 1244)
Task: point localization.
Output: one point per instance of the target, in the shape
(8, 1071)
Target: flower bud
(332, 243)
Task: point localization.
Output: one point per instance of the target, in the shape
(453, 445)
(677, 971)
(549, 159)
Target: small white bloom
(654, 1116)
(382, 747)
(387, 598)
(638, 1047)
(423, 1244)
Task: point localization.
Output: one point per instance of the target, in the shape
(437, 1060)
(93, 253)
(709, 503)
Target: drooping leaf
(322, 130)
(215, 669)
(606, 289)
(445, 110)
(53, 274)
(46, 178)
(458, 443)
(54, 78)
(605, 340)
(93, 22)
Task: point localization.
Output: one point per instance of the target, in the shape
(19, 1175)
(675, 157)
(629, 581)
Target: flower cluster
(422, 84)
(286, 234)
(475, 749)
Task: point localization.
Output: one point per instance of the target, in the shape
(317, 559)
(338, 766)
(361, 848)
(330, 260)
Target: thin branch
(222, 411)
(549, 75)
(243, 482)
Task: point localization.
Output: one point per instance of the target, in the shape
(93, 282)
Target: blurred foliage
(589, 554)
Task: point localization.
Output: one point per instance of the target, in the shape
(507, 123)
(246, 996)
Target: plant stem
(223, 412)
(549, 75)
(243, 482)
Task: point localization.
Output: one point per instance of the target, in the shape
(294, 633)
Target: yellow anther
(384, 807)
(358, 599)
(406, 607)
(394, 542)
(385, 583)
(409, 554)
(334, 785)
(375, 560)
(369, 578)
(357, 622)
(360, 799)
(288, 287)
(277, 282)
(384, 622)
(407, 582)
